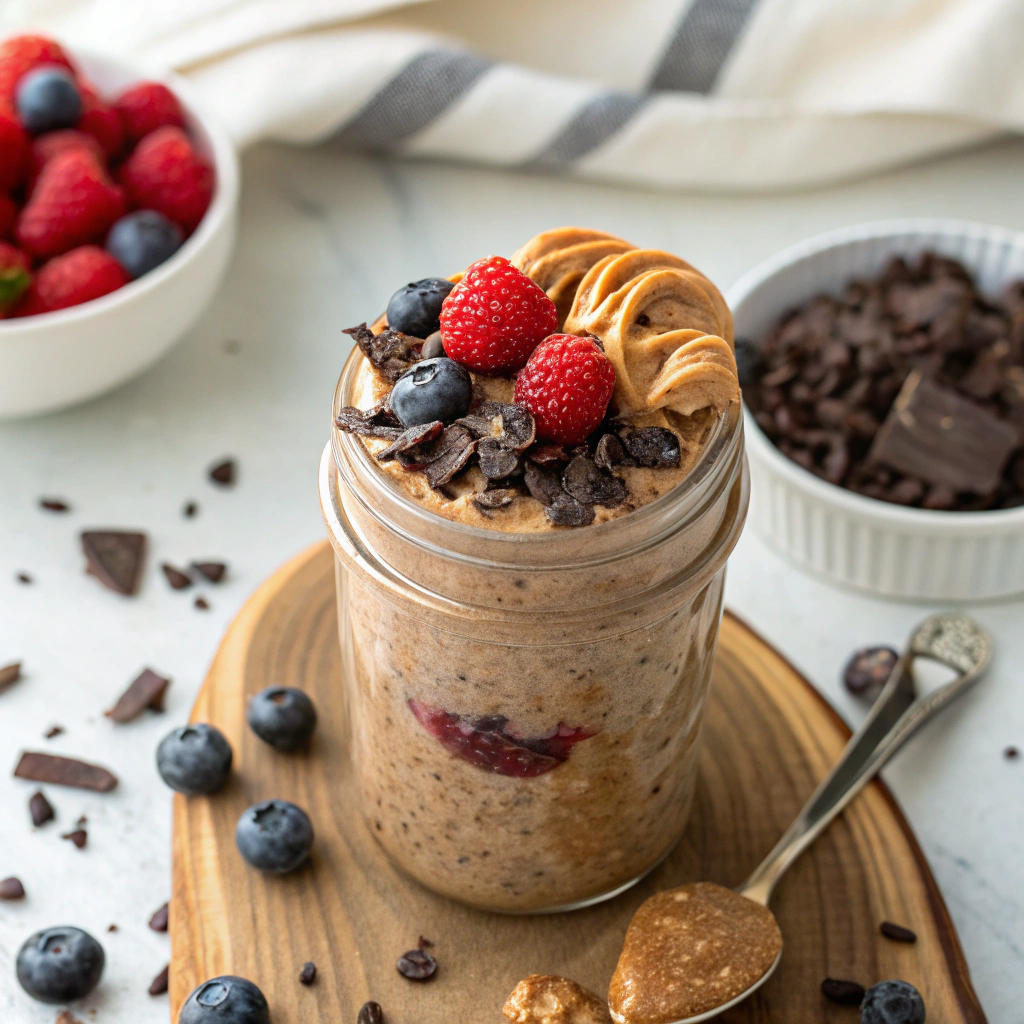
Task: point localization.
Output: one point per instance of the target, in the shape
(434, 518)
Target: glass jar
(524, 710)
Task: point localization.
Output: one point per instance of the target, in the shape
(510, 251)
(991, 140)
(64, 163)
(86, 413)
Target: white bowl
(873, 545)
(56, 359)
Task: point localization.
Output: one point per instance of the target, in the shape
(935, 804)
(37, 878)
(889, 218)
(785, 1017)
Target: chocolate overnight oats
(532, 507)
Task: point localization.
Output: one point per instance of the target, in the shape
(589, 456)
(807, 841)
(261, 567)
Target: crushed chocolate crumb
(897, 932)
(610, 452)
(390, 353)
(409, 439)
(201, 604)
(147, 690)
(111, 927)
(565, 510)
(308, 973)
(543, 484)
(9, 674)
(191, 510)
(213, 571)
(64, 771)
(40, 809)
(79, 837)
(590, 485)
(177, 579)
(376, 422)
(449, 455)
(23, 577)
(496, 461)
(653, 447)
(158, 986)
(115, 558)
(223, 473)
(53, 731)
(54, 505)
(158, 922)
(11, 889)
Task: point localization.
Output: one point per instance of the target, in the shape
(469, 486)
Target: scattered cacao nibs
(370, 1013)
(845, 993)
(543, 484)
(487, 501)
(1011, 753)
(191, 510)
(64, 771)
(158, 986)
(79, 837)
(111, 927)
(653, 447)
(518, 427)
(496, 461)
(213, 571)
(610, 452)
(457, 446)
(23, 577)
(54, 730)
(11, 889)
(147, 690)
(9, 675)
(201, 604)
(158, 922)
(417, 965)
(371, 423)
(390, 353)
(308, 973)
(54, 505)
(565, 510)
(177, 579)
(591, 485)
(409, 439)
(223, 473)
(425, 943)
(115, 558)
(897, 932)
(868, 670)
(40, 809)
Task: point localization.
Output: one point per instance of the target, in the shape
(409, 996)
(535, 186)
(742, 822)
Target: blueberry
(143, 240)
(194, 759)
(59, 965)
(892, 1002)
(274, 836)
(282, 716)
(434, 389)
(749, 362)
(226, 1000)
(48, 99)
(416, 308)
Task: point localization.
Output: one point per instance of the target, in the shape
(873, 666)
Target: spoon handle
(953, 640)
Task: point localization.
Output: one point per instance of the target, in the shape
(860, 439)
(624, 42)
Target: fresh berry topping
(434, 389)
(84, 274)
(282, 716)
(100, 121)
(8, 215)
(567, 385)
(21, 54)
(143, 240)
(14, 145)
(868, 670)
(147, 106)
(226, 1000)
(47, 146)
(495, 317)
(274, 836)
(15, 276)
(195, 759)
(416, 308)
(59, 965)
(489, 743)
(892, 1002)
(47, 100)
(165, 173)
(72, 204)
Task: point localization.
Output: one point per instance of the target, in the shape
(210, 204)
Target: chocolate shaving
(40, 809)
(213, 571)
(590, 485)
(10, 674)
(64, 771)
(79, 837)
(499, 498)
(158, 986)
(549, 455)
(496, 461)
(565, 510)
(223, 473)
(451, 454)
(543, 484)
(158, 922)
(371, 423)
(410, 438)
(147, 690)
(177, 579)
(390, 353)
(610, 452)
(115, 558)
(653, 447)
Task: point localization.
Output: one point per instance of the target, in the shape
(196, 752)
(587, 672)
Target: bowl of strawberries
(118, 210)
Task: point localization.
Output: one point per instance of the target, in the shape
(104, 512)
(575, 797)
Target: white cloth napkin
(731, 94)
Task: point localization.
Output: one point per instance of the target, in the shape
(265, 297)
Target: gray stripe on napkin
(594, 123)
(701, 45)
(423, 90)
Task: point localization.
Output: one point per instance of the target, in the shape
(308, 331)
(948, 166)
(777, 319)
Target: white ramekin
(887, 549)
(54, 360)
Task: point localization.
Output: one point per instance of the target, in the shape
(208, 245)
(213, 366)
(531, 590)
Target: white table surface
(325, 239)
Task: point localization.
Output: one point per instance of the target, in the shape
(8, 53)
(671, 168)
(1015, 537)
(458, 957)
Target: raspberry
(15, 277)
(21, 54)
(100, 121)
(147, 106)
(567, 385)
(164, 173)
(495, 317)
(14, 143)
(73, 203)
(47, 146)
(8, 215)
(78, 276)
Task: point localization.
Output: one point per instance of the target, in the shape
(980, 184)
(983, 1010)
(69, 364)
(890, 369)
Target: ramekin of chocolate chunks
(882, 369)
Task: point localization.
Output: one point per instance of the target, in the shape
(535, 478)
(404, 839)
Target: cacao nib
(543, 484)
(391, 353)
(371, 423)
(496, 461)
(590, 485)
(519, 430)
(498, 498)
(610, 452)
(565, 510)
(410, 438)
(450, 455)
(653, 447)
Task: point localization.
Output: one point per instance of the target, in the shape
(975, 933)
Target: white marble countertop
(325, 239)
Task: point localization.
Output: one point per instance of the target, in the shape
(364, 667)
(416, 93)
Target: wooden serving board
(769, 738)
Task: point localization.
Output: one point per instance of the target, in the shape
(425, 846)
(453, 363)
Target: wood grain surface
(769, 738)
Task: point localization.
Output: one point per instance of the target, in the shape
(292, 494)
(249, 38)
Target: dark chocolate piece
(201, 604)
(40, 809)
(391, 353)
(410, 438)
(224, 473)
(79, 837)
(158, 986)
(11, 889)
(53, 731)
(191, 510)
(158, 922)
(518, 428)
(653, 447)
(610, 452)
(147, 690)
(590, 485)
(54, 505)
(177, 579)
(502, 497)
(375, 422)
(543, 484)
(64, 771)
(213, 571)
(115, 558)
(565, 510)
(23, 577)
(496, 461)
(308, 973)
(417, 965)
(10, 674)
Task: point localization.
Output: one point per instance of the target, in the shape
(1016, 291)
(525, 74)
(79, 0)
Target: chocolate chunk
(496, 461)
(201, 604)
(158, 922)
(590, 485)
(868, 670)
(410, 438)
(213, 571)
(417, 965)
(64, 771)
(499, 498)
(844, 993)
(543, 484)
(177, 579)
(147, 690)
(610, 452)
(115, 558)
(371, 423)
(223, 473)
(933, 433)
(370, 1013)
(10, 674)
(54, 505)
(897, 932)
(191, 510)
(158, 986)
(308, 973)
(40, 809)
(79, 837)
(54, 730)
(565, 510)
(518, 427)
(23, 577)
(549, 455)
(449, 455)
(653, 447)
(391, 353)
(11, 889)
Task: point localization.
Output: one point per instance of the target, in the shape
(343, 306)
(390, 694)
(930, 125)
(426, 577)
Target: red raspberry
(15, 277)
(47, 146)
(14, 144)
(8, 215)
(100, 121)
(73, 203)
(495, 317)
(147, 106)
(164, 173)
(567, 385)
(78, 276)
(21, 54)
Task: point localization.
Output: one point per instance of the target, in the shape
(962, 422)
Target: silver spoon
(951, 639)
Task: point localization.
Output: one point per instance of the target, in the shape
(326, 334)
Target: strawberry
(147, 106)
(567, 385)
(73, 203)
(20, 54)
(78, 276)
(164, 173)
(495, 317)
(47, 146)
(15, 277)
(100, 121)
(8, 215)
(14, 143)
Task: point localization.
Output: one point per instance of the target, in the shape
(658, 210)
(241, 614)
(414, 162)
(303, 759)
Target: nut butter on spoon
(691, 953)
